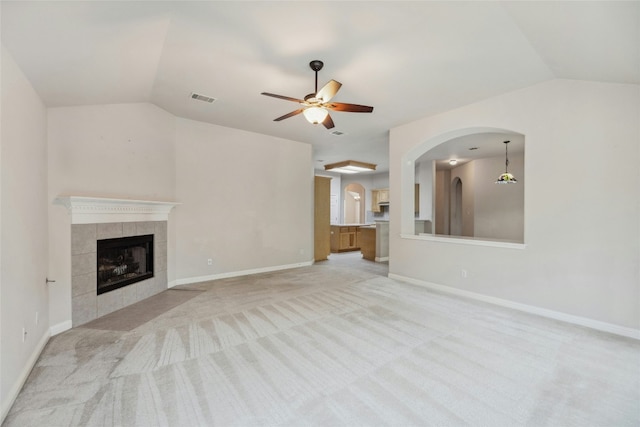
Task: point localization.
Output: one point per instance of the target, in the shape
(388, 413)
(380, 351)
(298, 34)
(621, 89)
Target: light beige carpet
(142, 312)
(334, 344)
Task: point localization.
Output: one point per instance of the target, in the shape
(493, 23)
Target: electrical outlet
(463, 274)
(210, 261)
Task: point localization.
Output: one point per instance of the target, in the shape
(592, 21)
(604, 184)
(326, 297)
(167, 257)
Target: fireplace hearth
(123, 261)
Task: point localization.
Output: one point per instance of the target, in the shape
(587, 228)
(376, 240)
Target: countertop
(351, 225)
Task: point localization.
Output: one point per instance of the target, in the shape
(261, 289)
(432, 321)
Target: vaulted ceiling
(407, 59)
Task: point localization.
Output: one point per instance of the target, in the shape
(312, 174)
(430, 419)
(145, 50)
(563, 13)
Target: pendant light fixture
(506, 177)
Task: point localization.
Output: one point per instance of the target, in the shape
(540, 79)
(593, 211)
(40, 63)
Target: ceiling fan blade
(352, 108)
(328, 122)
(286, 98)
(291, 114)
(328, 91)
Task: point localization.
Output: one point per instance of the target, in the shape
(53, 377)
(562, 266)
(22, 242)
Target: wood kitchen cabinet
(322, 230)
(368, 243)
(345, 238)
(382, 196)
(374, 244)
(379, 196)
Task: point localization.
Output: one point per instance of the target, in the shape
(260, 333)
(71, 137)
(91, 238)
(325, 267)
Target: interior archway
(354, 206)
(465, 199)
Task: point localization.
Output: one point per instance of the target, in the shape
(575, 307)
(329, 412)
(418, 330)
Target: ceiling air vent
(337, 133)
(202, 97)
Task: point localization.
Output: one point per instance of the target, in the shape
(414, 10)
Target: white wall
(120, 151)
(442, 189)
(23, 213)
(424, 177)
(499, 209)
(490, 211)
(466, 174)
(582, 233)
(246, 201)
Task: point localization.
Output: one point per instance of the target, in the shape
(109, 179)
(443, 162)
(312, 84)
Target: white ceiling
(470, 147)
(407, 59)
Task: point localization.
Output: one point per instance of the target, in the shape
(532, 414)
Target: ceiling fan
(316, 106)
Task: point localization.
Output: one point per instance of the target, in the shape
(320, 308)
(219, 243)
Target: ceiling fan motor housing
(316, 65)
(311, 98)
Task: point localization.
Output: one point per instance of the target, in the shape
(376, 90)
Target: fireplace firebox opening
(123, 261)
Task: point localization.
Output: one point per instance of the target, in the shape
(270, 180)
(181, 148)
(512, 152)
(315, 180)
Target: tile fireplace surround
(93, 219)
(86, 305)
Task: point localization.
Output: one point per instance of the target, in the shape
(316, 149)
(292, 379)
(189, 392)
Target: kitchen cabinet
(374, 244)
(378, 196)
(368, 243)
(381, 195)
(345, 238)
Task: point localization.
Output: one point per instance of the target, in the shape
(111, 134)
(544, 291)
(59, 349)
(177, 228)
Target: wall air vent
(337, 133)
(202, 97)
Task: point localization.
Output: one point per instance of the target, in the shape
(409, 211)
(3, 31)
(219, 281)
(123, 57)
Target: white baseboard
(382, 259)
(199, 279)
(60, 328)
(17, 386)
(552, 314)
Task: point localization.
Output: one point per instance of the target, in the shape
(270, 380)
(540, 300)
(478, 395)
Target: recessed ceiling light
(453, 162)
(350, 166)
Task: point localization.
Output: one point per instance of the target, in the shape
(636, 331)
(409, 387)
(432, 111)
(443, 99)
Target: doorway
(354, 207)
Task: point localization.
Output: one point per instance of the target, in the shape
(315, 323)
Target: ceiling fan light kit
(315, 115)
(316, 106)
(350, 166)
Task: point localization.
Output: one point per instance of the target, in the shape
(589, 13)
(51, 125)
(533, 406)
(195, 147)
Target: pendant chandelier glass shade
(315, 115)
(506, 177)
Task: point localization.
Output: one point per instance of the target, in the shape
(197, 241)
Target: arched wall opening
(354, 204)
(461, 170)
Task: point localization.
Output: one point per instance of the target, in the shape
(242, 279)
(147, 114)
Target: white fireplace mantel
(90, 210)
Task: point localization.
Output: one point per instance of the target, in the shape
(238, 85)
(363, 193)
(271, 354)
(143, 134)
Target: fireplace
(94, 219)
(123, 261)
